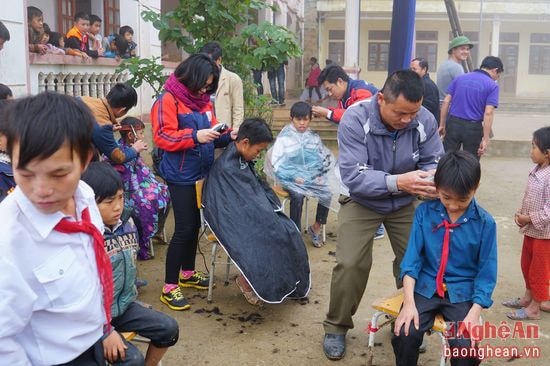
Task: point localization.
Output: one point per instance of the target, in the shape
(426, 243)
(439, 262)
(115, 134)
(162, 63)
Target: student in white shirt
(53, 309)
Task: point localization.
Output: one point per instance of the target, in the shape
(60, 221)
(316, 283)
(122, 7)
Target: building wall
(523, 18)
(13, 56)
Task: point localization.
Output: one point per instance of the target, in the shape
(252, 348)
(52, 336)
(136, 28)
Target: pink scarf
(180, 91)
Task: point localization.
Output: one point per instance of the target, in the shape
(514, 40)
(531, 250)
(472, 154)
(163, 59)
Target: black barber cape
(246, 217)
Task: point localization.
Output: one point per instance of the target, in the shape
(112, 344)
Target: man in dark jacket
(431, 91)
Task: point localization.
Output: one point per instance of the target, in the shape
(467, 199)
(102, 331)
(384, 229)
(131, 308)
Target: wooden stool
(390, 307)
(134, 337)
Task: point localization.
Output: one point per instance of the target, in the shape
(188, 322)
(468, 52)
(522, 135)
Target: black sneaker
(175, 300)
(198, 280)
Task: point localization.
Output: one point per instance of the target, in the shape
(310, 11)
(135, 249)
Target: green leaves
(148, 70)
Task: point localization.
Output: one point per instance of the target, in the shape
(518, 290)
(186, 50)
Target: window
(539, 54)
(336, 46)
(426, 47)
(111, 20)
(66, 10)
(379, 50)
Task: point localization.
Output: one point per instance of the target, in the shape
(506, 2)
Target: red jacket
(357, 90)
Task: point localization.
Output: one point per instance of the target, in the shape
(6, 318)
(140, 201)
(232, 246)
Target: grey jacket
(371, 157)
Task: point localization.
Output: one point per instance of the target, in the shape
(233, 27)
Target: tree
(245, 46)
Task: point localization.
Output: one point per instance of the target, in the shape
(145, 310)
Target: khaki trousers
(357, 225)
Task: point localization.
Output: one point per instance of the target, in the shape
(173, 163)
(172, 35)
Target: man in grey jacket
(389, 147)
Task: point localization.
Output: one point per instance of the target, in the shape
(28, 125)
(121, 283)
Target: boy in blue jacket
(450, 266)
(121, 244)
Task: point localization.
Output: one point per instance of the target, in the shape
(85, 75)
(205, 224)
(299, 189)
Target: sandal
(513, 303)
(521, 314)
(249, 295)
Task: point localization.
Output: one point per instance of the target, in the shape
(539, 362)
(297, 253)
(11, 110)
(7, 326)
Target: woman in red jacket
(182, 119)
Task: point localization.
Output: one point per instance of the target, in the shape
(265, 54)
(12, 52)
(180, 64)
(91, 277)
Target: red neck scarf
(444, 255)
(104, 267)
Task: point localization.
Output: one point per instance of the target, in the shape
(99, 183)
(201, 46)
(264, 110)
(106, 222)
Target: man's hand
(234, 134)
(114, 348)
(139, 145)
(207, 135)
(319, 111)
(418, 183)
(442, 131)
(483, 146)
(407, 314)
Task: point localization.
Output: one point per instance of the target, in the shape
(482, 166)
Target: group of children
(84, 39)
(60, 220)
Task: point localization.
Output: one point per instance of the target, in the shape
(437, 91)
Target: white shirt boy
(50, 296)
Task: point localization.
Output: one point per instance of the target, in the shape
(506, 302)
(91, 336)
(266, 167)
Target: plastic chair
(285, 197)
(211, 237)
(389, 308)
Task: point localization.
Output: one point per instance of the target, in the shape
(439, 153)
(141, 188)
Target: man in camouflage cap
(459, 50)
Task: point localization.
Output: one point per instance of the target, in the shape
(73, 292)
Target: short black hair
(492, 62)
(541, 138)
(313, 59)
(212, 49)
(4, 105)
(332, 73)
(124, 29)
(122, 95)
(47, 29)
(55, 37)
(128, 123)
(121, 43)
(94, 18)
(4, 32)
(300, 109)
(422, 62)
(5, 92)
(41, 124)
(33, 12)
(81, 15)
(403, 82)
(256, 130)
(103, 179)
(459, 172)
(194, 71)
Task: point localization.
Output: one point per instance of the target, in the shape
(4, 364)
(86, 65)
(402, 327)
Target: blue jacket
(121, 244)
(471, 271)
(7, 183)
(175, 126)
(371, 157)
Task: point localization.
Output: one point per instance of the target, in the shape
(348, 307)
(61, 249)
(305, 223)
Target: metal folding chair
(211, 237)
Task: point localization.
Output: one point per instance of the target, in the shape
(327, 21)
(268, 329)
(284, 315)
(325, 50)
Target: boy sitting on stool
(450, 266)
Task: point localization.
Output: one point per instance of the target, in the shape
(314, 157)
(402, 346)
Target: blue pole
(402, 34)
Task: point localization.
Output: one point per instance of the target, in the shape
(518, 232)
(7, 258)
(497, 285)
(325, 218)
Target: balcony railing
(77, 84)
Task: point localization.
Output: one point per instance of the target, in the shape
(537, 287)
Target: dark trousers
(277, 79)
(183, 246)
(317, 90)
(461, 132)
(257, 76)
(93, 356)
(405, 348)
(296, 205)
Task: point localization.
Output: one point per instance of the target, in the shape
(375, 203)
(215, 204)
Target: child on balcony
(35, 19)
(77, 36)
(95, 39)
(114, 46)
(128, 34)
